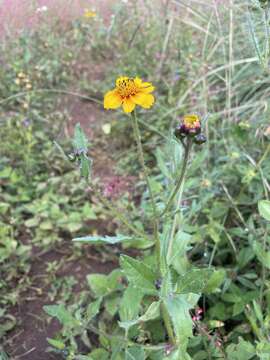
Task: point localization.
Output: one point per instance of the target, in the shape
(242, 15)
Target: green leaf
(99, 354)
(103, 239)
(180, 244)
(33, 222)
(93, 309)
(151, 313)
(179, 354)
(263, 256)
(61, 314)
(215, 281)
(4, 207)
(264, 209)
(166, 285)
(130, 304)
(263, 350)
(80, 142)
(135, 353)
(46, 225)
(80, 145)
(103, 285)
(193, 281)
(138, 243)
(111, 304)
(178, 307)
(85, 166)
(244, 350)
(56, 343)
(139, 275)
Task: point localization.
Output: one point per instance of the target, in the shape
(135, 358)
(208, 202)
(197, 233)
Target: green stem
(116, 212)
(267, 34)
(181, 178)
(137, 135)
(263, 271)
(178, 189)
(167, 322)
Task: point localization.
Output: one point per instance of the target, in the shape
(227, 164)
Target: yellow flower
(191, 121)
(129, 92)
(89, 14)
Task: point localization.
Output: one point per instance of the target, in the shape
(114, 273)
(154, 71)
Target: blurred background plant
(210, 57)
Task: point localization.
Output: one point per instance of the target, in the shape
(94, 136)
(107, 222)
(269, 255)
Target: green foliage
(61, 314)
(264, 209)
(178, 307)
(102, 285)
(139, 274)
(103, 239)
(80, 151)
(214, 254)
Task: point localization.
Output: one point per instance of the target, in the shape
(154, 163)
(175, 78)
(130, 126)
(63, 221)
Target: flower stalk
(181, 179)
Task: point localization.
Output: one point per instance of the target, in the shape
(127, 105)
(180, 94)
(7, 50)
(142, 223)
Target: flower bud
(200, 139)
(180, 131)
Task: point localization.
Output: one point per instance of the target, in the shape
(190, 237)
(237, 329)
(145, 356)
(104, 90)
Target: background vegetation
(210, 58)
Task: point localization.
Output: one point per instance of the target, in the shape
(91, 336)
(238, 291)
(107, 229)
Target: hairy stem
(178, 190)
(180, 180)
(168, 325)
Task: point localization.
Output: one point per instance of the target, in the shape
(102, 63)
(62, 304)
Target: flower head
(129, 92)
(89, 14)
(190, 125)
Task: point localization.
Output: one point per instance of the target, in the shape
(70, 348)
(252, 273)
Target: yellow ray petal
(147, 88)
(112, 100)
(128, 105)
(138, 82)
(144, 100)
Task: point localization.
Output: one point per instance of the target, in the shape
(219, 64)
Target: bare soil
(29, 339)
